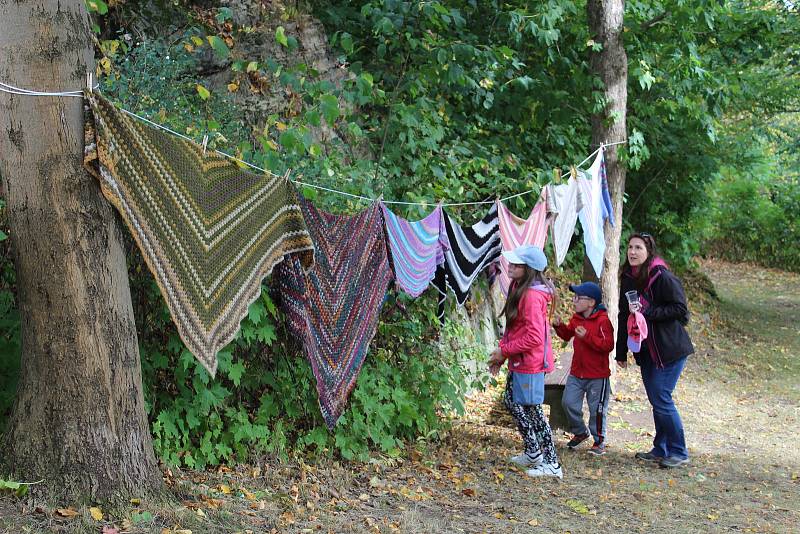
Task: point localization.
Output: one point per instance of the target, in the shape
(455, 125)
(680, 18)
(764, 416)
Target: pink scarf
(637, 331)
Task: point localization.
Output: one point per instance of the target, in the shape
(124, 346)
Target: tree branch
(655, 20)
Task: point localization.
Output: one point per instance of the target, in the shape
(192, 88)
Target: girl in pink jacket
(527, 348)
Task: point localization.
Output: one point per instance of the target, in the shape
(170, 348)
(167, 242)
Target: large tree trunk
(611, 66)
(78, 421)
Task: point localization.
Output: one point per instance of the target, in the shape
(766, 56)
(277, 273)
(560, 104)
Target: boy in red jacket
(590, 371)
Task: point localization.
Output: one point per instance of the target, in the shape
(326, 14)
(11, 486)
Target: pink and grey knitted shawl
(333, 309)
(515, 232)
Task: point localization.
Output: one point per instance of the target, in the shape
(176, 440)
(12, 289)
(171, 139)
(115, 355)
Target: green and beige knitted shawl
(209, 231)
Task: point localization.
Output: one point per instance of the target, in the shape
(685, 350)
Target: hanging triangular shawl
(594, 212)
(334, 308)
(567, 201)
(608, 208)
(416, 248)
(208, 231)
(515, 232)
(471, 250)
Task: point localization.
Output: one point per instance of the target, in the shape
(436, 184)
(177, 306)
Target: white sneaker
(546, 470)
(526, 461)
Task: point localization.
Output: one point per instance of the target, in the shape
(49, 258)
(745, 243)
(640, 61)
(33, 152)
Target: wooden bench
(554, 384)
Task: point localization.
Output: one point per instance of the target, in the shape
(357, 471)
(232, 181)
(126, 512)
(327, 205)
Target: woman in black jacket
(663, 354)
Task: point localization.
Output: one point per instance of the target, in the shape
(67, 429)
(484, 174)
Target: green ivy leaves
(219, 46)
(280, 36)
(20, 489)
(329, 106)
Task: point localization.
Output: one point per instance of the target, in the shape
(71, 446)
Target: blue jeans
(659, 385)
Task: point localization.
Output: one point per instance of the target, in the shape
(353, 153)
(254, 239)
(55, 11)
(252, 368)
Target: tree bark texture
(610, 65)
(78, 421)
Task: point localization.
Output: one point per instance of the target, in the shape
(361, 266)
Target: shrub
(755, 219)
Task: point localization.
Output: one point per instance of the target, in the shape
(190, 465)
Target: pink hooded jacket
(527, 344)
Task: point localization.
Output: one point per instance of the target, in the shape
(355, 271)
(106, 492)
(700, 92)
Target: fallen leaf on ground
(577, 506)
(97, 513)
(67, 512)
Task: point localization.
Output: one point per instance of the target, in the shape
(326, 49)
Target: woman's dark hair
(518, 289)
(643, 274)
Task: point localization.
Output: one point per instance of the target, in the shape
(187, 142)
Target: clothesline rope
(6, 88)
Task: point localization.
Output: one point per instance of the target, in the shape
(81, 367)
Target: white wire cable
(616, 143)
(323, 188)
(590, 156)
(6, 88)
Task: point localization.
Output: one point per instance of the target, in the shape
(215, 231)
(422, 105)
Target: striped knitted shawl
(472, 249)
(608, 207)
(334, 308)
(416, 248)
(515, 232)
(208, 231)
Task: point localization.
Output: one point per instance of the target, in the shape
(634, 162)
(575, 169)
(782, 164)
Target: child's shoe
(546, 470)
(526, 460)
(576, 440)
(598, 449)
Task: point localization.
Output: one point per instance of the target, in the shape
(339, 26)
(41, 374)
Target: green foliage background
(456, 100)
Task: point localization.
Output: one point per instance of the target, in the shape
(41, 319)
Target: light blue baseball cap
(529, 255)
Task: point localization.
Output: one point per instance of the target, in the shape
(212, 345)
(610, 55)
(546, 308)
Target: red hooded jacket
(526, 345)
(590, 353)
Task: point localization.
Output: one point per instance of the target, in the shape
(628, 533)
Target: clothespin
(287, 173)
(90, 82)
(205, 143)
(573, 172)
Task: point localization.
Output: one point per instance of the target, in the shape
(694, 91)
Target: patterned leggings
(533, 426)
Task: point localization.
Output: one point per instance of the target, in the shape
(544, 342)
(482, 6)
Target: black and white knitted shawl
(472, 249)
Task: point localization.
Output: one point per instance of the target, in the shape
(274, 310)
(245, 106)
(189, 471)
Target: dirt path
(739, 398)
